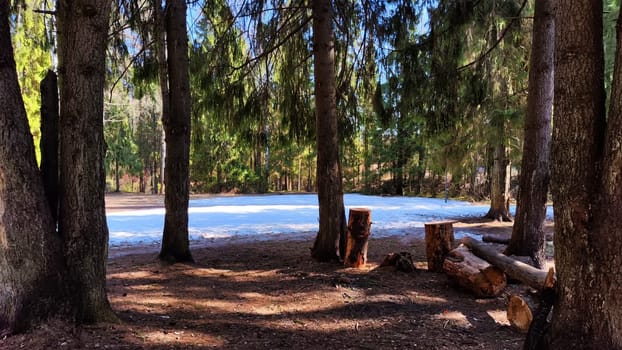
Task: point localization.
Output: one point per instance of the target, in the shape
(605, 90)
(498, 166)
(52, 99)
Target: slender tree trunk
(330, 191)
(586, 189)
(49, 140)
(141, 182)
(117, 180)
(160, 45)
(498, 192)
(175, 243)
(30, 250)
(528, 231)
(83, 38)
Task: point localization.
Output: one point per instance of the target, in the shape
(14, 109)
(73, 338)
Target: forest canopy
(426, 91)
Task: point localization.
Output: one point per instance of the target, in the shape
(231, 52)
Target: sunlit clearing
(407, 298)
(323, 325)
(293, 302)
(179, 338)
(135, 275)
(419, 298)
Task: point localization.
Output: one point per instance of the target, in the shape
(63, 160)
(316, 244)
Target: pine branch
(127, 67)
(499, 40)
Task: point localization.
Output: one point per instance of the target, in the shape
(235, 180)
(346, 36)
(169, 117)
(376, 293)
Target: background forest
(388, 97)
(429, 93)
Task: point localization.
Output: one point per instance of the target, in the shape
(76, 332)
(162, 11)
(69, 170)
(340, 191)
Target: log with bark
(527, 274)
(473, 273)
(358, 232)
(495, 239)
(439, 240)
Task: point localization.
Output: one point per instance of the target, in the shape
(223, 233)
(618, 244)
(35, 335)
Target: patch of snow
(276, 216)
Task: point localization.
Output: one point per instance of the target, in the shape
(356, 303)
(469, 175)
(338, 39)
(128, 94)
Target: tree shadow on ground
(271, 295)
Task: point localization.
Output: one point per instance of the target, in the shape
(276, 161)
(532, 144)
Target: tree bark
(175, 242)
(588, 310)
(328, 244)
(29, 248)
(83, 28)
(49, 141)
(528, 231)
(586, 175)
(359, 224)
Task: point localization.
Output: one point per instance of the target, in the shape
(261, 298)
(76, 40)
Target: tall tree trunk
(528, 231)
(49, 140)
(330, 189)
(160, 45)
(498, 191)
(29, 248)
(586, 189)
(175, 243)
(83, 28)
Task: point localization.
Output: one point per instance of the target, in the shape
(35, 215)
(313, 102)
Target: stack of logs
(482, 270)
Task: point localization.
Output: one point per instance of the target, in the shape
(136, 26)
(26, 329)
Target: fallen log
(495, 239)
(473, 273)
(358, 231)
(439, 240)
(527, 274)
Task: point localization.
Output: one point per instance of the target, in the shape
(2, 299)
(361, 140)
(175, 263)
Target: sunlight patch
(500, 316)
(456, 318)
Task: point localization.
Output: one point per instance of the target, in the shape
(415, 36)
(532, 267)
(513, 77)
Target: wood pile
(483, 270)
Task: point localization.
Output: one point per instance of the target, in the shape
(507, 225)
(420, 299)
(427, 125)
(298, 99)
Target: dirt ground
(271, 295)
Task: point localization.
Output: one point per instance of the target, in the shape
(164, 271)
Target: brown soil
(271, 295)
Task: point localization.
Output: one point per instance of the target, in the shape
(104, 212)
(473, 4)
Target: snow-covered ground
(276, 216)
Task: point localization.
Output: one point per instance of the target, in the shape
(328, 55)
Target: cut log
(520, 313)
(473, 273)
(522, 310)
(439, 240)
(527, 274)
(358, 232)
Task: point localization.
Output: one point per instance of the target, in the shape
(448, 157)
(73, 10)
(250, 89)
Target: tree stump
(439, 239)
(358, 232)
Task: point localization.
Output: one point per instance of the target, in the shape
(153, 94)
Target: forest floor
(245, 294)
